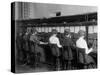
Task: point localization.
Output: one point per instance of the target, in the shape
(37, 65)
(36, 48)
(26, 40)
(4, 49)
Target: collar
(33, 34)
(82, 37)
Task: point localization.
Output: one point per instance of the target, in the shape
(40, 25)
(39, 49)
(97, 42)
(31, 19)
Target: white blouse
(55, 40)
(81, 43)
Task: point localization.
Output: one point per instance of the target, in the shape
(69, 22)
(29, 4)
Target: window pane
(76, 29)
(91, 29)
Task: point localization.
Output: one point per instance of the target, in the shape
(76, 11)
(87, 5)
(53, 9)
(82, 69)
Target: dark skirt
(39, 50)
(88, 59)
(67, 54)
(55, 50)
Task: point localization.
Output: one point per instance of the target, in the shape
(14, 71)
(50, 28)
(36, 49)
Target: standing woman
(55, 49)
(68, 45)
(54, 40)
(81, 43)
(19, 47)
(36, 48)
(26, 46)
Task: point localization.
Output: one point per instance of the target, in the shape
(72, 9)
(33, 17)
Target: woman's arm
(58, 43)
(83, 44)
(87, 50)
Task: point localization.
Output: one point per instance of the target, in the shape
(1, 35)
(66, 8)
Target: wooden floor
(28, 69)
(39, 68)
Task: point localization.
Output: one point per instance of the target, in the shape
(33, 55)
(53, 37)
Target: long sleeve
(58, 43)
(34, 39)
(55, 40)
(81, 43)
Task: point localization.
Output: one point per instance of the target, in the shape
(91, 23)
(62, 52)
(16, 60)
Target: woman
(68, 45)
(82, 44)
(55, 48)
(35, 48)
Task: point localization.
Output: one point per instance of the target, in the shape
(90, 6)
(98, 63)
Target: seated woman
(81, 43)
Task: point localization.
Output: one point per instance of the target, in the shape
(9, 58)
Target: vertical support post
(86, 28)
(87, 34)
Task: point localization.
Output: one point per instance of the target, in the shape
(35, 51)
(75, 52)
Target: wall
(40, 10)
